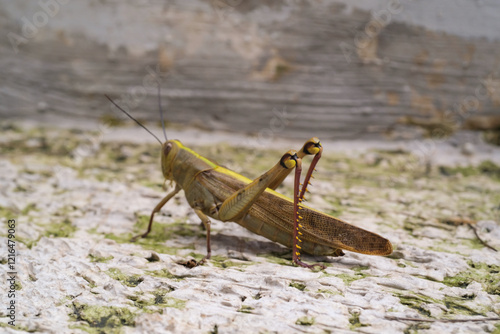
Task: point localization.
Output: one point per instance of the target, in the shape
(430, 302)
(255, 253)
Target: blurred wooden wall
(295, 68)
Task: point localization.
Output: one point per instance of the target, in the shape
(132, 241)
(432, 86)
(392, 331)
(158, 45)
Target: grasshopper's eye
(167, 149)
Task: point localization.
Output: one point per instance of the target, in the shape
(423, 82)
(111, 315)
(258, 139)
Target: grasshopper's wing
(277, 210)
(322, 228)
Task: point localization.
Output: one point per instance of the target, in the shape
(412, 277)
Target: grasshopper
(220, 193)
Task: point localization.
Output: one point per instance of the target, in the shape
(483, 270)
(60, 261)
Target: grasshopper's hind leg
(312, 146)
(240, 201)
(296, 220)
(155, 210)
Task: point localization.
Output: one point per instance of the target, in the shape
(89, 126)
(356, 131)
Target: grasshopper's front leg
(157, 209)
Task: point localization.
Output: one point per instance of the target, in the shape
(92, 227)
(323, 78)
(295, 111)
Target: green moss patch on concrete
(487, 275)
(416, 328)
(5, 215)
(146, 243)
(354, 321)
(101, 319)
(452, 305)
(28, 208)
(103, 259)
(284, 259)
(246, 309)
(349, 278)
(92, 283)
(298, 286)
(417, 303)
(225, 262)
(456, 305)
(328, 292)
(128, 280)
(164, 301)
(160, 300)
(487, 168)
(16, 327)
(8, 213)
(58, 229)
(62, 229)
(305, 321)
(164, 273)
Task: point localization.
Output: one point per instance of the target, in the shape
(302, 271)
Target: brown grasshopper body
(216, 192)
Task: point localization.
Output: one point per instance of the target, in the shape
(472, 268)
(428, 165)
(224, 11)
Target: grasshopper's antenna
(161, 112)
(126, 113)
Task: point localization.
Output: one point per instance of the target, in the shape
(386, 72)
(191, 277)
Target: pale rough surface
(76, 205)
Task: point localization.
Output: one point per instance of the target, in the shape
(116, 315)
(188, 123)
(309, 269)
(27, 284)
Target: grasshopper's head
(169, 151)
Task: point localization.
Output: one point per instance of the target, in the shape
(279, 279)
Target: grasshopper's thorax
(181, 164)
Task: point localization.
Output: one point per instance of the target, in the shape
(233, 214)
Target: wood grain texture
(273, 69)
